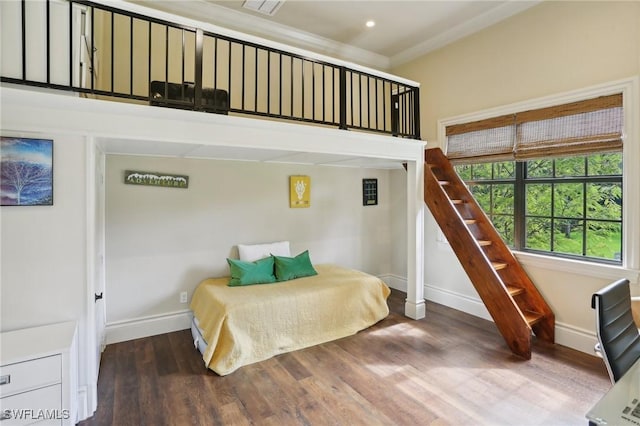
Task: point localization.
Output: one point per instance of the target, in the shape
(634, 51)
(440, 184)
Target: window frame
(630, 89)
(519, 215)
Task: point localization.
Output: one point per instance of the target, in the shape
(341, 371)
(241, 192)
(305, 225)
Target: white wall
(43, 247)
(552, 48)
(398, 226)
(43, 273)
(161, 241)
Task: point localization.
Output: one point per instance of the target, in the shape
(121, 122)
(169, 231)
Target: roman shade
(577, 128)
(485, 140)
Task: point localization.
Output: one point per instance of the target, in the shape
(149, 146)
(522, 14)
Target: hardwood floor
(447, 369)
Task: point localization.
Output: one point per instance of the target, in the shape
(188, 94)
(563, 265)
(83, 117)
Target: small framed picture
(299, 191)
(369, 192)
(26, 171)
(134, 177)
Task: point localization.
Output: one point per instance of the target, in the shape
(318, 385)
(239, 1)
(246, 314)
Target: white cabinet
(38, 375)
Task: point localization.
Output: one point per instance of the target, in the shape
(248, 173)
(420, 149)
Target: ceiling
(404, 29)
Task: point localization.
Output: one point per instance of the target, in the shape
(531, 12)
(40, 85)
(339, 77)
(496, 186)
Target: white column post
(414, 306)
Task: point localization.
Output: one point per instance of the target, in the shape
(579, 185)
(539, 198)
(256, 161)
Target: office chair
(618, 335)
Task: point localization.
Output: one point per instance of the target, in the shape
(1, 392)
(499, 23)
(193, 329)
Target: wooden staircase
(516, 306)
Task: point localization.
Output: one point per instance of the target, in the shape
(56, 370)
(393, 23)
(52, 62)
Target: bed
(236, 326)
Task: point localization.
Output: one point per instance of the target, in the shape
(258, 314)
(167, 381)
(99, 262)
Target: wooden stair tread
(532, 317)
(470, 221)
(457, 201)
(483, 243)
(444, 182)
(513, 290)
(498, 265)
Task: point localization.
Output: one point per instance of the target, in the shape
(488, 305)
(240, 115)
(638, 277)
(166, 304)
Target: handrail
(105, 52)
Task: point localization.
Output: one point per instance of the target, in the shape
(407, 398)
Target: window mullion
(584, 216)
(519, 206)
(552, 237)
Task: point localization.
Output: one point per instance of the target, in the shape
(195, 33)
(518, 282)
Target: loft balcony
(99, 51)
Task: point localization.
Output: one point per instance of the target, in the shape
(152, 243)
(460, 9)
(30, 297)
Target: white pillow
(253, 252)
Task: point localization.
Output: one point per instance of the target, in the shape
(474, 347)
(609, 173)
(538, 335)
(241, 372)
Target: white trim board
(566, 335)
(457, 32)
(396, 282)
(136, 328)
(83, 404)
(170, 132)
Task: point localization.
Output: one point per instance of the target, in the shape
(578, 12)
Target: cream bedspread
(243, 325)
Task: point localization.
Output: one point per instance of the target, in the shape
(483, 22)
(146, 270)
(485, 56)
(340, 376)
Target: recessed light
(370, 24)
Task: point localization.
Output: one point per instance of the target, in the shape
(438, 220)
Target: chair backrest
(617, 333)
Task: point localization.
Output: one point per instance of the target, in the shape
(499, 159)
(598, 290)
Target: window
(493, 186)
(549, 179)
(566, 206)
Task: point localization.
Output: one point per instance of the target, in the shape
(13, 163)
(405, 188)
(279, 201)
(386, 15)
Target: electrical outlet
(183, 297)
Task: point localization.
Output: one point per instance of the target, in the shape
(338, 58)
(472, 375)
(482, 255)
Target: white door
(95, 324)
(99, 297)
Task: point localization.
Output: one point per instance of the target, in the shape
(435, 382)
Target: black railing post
(416, 113)
(70, 45)
(197, 94)
(395, 113)
(343, 98)
(23, 10)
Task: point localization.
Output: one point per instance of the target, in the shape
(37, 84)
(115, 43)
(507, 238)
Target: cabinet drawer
(41, 406)
(32, 374)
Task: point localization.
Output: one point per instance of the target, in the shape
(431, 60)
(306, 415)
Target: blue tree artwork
(26, 172)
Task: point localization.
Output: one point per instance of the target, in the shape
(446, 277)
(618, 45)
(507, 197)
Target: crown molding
(247, 23)
(480, 22)
(202, 10)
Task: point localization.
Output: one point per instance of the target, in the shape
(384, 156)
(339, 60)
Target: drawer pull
(5, 380)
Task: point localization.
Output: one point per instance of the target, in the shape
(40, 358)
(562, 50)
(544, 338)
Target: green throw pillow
(247, 273)
(288, 268)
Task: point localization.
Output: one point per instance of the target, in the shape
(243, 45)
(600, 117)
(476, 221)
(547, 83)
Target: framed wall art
(299, 191)
(369, 192)
(26, 171)
(133, 177)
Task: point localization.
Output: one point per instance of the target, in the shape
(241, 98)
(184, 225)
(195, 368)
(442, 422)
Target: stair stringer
(478, 247)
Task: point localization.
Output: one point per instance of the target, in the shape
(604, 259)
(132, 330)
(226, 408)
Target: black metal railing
(109, 53)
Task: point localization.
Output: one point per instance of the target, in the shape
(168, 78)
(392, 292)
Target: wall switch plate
(183, 297)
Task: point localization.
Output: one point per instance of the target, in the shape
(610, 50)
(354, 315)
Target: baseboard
(461, 302)
(82, 405)
(121, 331)
(395, 282)
(566, 335)
(576, 338)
